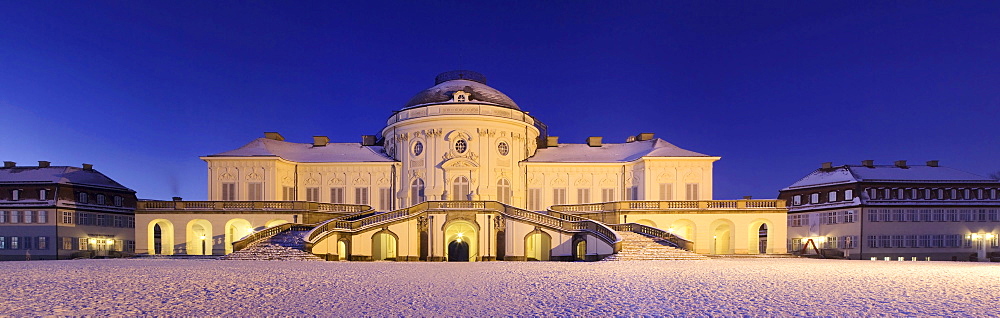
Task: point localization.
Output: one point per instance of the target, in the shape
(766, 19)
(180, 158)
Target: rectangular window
(535, 199)
(897, 241)
(82, 197)
(43, 243)
(607, 195)
(848, 194)
(850, 216)
(797, 199)
(255, 191)
(67, 217)
(897, 215)
(288, 193)
(632, 193)
(692, 191)
(385, 198)
(337, 195)
(14, 242)
(100, 199)
(43, 217)
(666, 191)
(15, 216)
(3, 217)
(832, 197)
(312, 194)
(130, 222)
(83, 245)
(42, 194)
(100, 220)
(229, 191)
(873, 241)
(130, 246)
(3, 243)
(361, 196)
(67, 243)
(582, 196)
(885, 241)
(558, 196)
(15, 195)
(119, 201)
(814, 198)
(29, 217)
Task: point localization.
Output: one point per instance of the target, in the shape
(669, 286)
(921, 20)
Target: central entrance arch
(458, 251)
(462, 238)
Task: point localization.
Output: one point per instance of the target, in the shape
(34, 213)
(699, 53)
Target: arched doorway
(685, 229)
(384, 246)
(464, 237)
(722, 237)
(762, 239)
(580, 250)
(342, 254)
(274, 222)
(199, 237)
(537, 246)
(236, 229)
(757, 236)
(646, 222)
(458, 251)
(160, 234)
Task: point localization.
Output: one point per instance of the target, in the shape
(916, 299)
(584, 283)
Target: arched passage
(580, 250)
(685, 229)
(199, 237)
(465, 236)
(646, 222)
(537, 246)
(342, 250)
(160, 234)
(275, 222)
(235, 230)
(722, 236)
(758, 237)
(384, 246)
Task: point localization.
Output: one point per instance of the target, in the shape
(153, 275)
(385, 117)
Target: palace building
(461, 172)
(897, 211)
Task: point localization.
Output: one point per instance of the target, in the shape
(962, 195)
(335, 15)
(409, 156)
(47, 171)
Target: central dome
(448, 83)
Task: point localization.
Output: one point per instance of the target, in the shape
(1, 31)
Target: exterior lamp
(981, 243)
(203, 246)
(110, 241)
(93, 241)
(461, 235)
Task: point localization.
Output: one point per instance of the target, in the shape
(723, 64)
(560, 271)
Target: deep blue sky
(142, 89)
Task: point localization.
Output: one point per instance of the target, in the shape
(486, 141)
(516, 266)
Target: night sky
(142, 89)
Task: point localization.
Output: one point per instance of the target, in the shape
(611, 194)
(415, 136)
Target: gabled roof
(624, 152)
(57, 174)
(887, 173)
(305, 152)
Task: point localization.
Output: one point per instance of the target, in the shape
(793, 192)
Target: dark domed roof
(448, 83)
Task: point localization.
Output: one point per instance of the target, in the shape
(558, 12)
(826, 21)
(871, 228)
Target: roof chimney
(368, 140)
(868, 163)
(177, 199)
(901, 164)
(932, 163)
(747, 197)
(320, 141)
(88, 167)
(274, 136)
(9, 164)
(552, 141)
(644, 137)
(826, 165)
(44, 164)
(594, 141)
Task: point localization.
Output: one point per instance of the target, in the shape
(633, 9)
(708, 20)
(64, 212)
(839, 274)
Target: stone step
(286, 245)
(639, 247)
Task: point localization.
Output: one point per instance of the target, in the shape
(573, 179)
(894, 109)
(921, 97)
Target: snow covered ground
(721, 287)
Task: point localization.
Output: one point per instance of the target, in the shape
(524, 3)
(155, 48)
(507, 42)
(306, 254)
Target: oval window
(418, 148)
(503, 148)
(461, 146)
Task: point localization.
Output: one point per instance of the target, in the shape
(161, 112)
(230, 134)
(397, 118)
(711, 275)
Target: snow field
(718, 287)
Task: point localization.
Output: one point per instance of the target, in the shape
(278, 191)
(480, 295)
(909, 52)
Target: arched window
(417, 191)
(503, 191)
(460, 189)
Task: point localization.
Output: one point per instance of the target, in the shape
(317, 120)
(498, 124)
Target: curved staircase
(285, 246)
(639, 247)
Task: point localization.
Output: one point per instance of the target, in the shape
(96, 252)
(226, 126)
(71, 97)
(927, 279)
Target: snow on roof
(305, 152)
(57, 174)
(886, 173)
(612, 152)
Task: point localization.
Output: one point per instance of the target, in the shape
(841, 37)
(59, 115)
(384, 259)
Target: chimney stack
(9, 164)
(932, 163)
(901, 164)
(826, 165)
(594, 141)
(747, 197)
(44, 164)
(177, 199)
(274, 136)
(868, 163)
(368, 140)
(552, 141)
(320, 141)
(88, 167)
(644, 137)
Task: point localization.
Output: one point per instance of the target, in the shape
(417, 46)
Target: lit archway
(275, 222)
(342, 250)
(537, 246)
(236, 229)
(758, 237)
(684, 228)
(384, 246)
(722, 236)
(580, 250)
(160, 234)
(646, 222)
(199, 237)
(465, 236)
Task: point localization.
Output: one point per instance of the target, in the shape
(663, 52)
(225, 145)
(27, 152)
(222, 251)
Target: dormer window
(460, 96)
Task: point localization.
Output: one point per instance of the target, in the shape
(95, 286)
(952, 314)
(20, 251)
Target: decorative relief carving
(361, 181)
(311, 181)
(336, 181)
(558, 182)
(499, 223)
(422, 224)
(607, 183)
(383, 181)
(471, 155)
(417, 173)
(403, 136)
(417, 162)
(582, 182)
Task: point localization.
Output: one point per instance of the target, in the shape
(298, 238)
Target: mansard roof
(624, 152)
(887, 173)
(58, 174)
(306, 152)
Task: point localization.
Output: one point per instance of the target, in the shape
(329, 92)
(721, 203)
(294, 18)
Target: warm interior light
(989, 236)
(203, 237)
(110, 241)
(93, 241)
(974, 236)
(461, 235)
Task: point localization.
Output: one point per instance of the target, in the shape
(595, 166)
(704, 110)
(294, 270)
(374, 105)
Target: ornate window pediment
(459, 163)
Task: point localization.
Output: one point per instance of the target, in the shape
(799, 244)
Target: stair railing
(260, 235)
(676, 241)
